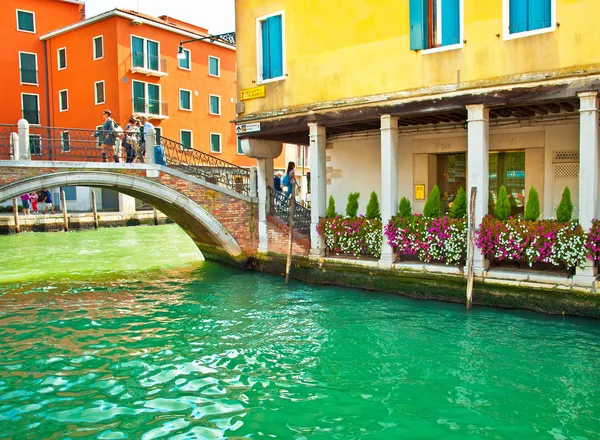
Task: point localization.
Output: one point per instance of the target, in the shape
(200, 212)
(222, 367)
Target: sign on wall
(419, 192)
(247, 128)
(253, 93)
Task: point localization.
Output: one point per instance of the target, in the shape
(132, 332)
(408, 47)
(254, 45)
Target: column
(478, 170)
(150, 137)
(389, 181)
(318, 174)
(22, 148)
(588, 174)
(263, 240)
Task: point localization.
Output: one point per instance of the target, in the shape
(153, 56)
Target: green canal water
(126, 333)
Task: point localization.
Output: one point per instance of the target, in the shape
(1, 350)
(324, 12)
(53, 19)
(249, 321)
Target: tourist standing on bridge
(108, 137)
(33, 197)
(132, 133)
(289, 180)
(143, 136)
(25, 202)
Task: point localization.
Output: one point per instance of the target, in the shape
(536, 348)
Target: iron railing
(6, 146)
(68, 144)
(207, 167)
(279, 206)
(149, 64)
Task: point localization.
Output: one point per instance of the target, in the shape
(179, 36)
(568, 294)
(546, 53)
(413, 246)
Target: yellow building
(396, 96)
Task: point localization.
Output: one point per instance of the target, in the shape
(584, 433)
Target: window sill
(100, 103)
(185, 109)
(442, 48)
(99, 58)
(271, 80)
(61, 68)
(214, 114)
(526, 34)
(30, 84)
(215, 152)
(183, 68)
(26, 31)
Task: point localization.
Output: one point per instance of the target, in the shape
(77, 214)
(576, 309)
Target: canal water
(126, 333)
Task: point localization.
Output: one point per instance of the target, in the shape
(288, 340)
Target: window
(529, 17)
(185, 99)
(70, 192)
(215, 143)
(145, 53)
(214, 105)
(61, 56)
(435, 23)
(214, 66)
(35, 144)
(99, 92)
(158, 132)
(186, 139)
(271, 55)
(508, 169)
(239, 146)
(98, 47)
(25, 21)
(63, 100)
(186, 63)
(30, 104)
(146, 98)
(451, 176)
(65, 141)
(28, 68)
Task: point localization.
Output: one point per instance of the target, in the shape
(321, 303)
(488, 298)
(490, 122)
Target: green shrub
(352, 205)
(331, 208)
(433, 206)
(564, 212)
(502, 209)
(404, 210)
(532, 208)
(459, 206)
(373, 211)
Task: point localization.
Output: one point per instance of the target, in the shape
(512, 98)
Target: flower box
(351, 236)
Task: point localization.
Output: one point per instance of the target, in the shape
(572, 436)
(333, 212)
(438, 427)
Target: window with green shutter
(186, 139)
(63, 100)
(215, 105)
(434, 23)
(65, 141)
(139, 97)
(99, 92)
(271, 37)
(239, 146)
(185, 63)
(215, 143)
(25, 21)
(62, 58)
(31, 108)
(185, 99)
(98, 47)
(28, 66)
(214, 67)
(529, 15)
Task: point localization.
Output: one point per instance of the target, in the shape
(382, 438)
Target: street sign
(253, 93)
(247, 128)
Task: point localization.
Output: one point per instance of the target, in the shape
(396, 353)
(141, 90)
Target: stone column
(150, 137)
(22, 149)
(263, 237)
(253, 183)
(389, 181)
(588, 174)
(478, 170)
(318, 175)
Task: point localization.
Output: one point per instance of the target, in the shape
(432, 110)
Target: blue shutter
(266, 49)
(418, 25)
(518, 16)
(539, 14)
(450, 22)
(276, 46)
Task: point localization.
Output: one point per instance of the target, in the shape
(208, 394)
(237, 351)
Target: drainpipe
(47, 83)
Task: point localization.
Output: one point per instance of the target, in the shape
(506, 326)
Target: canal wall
(543, 293)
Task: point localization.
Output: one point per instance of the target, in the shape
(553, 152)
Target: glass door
(139, 97)
(152, 63)
(137, 52)
(153, 99)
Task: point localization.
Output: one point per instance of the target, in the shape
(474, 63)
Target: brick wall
(278, 234)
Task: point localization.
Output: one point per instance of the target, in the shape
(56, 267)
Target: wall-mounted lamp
(180, 53)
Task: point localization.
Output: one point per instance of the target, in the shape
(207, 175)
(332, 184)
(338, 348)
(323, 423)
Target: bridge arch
(207, 232)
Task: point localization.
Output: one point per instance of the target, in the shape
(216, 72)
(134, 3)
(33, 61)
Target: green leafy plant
(404, 209)
(331, 208)
(502, 209)
(532, 208)
(564, 212)
(352, 205)
(373, 210)
(433, 206)
(459, 206)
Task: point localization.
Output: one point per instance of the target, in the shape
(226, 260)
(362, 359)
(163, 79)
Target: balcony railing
(29, 76)
(66, 144)
(150, 65)
(152, 108)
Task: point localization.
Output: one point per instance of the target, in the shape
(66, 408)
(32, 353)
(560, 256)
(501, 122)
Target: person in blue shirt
(47, 198)
(277, 182)
(107, 136)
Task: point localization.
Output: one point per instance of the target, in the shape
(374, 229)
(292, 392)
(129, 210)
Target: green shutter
(418, 25)
(214, 105)
(450, 22)
(98, 47)
(153, 99)
(139, 97)
(518, 16)
(185, 98)
(539, 14)
(214, 66)
(31, 111)
(186, 139)
(137, 52)
(28, 68)
(239, 146)
(62, 58)
(25, 21)
(215, 146)
(153, 57)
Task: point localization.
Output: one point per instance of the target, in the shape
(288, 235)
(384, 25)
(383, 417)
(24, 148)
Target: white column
(588, 174)
(263, 238)
(478, 170)
(253, 183)
(150, 137)
(318, 176)
(23, 146)
(389, 181)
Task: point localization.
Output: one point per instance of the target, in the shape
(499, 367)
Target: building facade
(397, 96)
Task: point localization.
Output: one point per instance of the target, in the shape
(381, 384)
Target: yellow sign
(419, 192)
(254, 92)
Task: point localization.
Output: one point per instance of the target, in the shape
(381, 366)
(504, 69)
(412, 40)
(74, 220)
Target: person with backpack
(107, 135)
(289, 180)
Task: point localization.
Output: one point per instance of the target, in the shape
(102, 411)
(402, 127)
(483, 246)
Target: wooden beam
(552, 108)
(566, 106)
(522, 111)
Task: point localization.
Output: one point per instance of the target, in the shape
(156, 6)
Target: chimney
(82, 12)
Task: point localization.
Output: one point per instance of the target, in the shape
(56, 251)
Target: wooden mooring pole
(94, 209)
(64, 210)
(288, 264)
(16, 213)
(155, 215)
(471, 247)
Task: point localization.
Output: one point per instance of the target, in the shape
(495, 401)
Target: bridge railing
(66, 144)
(207, 167)
(279, 206)
(6, 143)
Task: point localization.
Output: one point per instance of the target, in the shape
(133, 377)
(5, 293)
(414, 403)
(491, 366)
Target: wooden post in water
(155, 212)
(94, 210)
(471, 247)
(288, 265)
(16, 212)
(64, 210)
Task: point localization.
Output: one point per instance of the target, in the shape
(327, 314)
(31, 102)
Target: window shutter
(450, 22)
(152, 63)
(139, 97)
(539, 14)
(266, 50)
(518, 16)
(276, 46)
(137, 47)
(418, 27)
